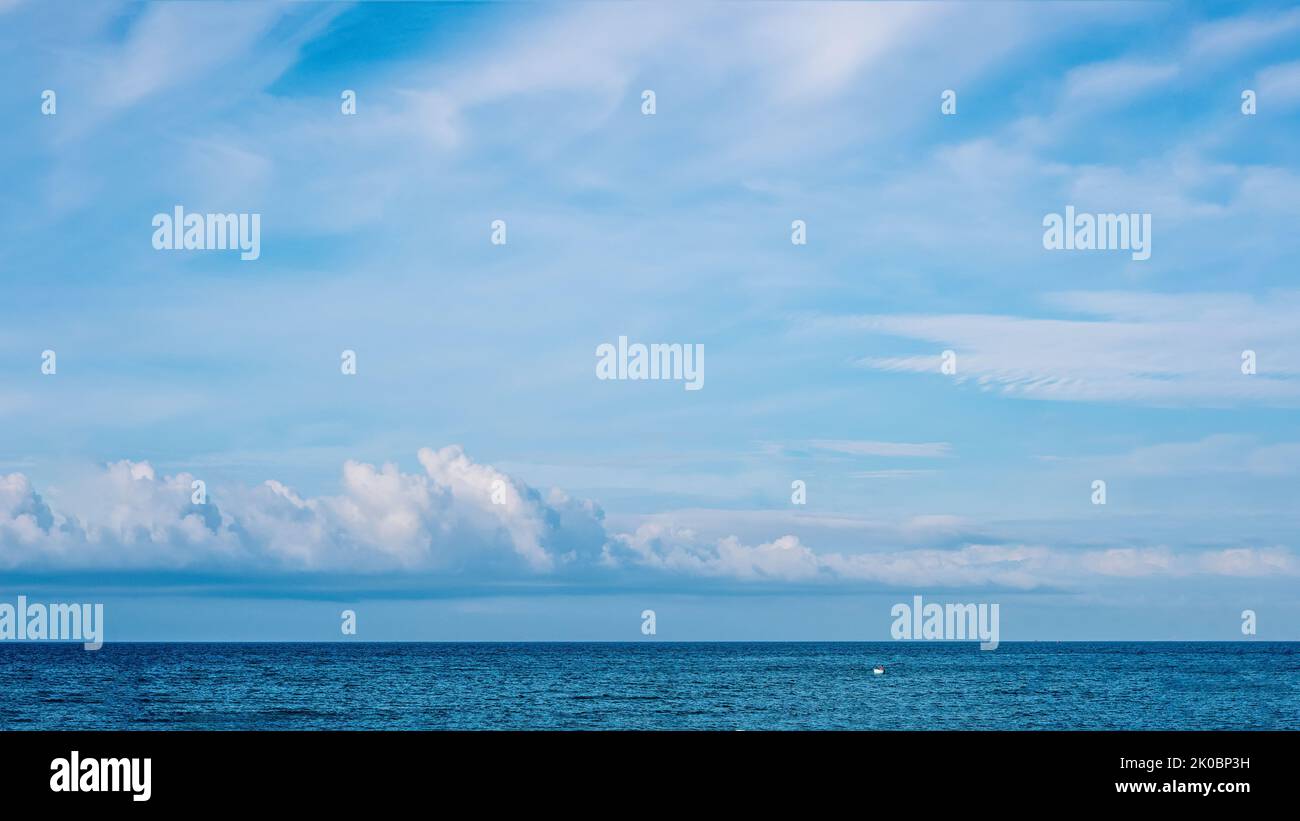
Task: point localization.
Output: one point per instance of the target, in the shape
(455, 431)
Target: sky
(474, 479)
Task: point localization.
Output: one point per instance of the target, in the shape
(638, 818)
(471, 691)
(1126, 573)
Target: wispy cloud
(1148, 348)
(1279, 86)
(1114, 82)
(1211, 455)
(925, 450)
(1231, 36)
(889, 474)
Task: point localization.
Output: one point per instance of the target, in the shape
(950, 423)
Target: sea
(651, 685)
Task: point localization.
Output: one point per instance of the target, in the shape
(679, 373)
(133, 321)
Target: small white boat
(879, 669)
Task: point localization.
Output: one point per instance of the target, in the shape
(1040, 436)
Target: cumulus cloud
(24, 516)
(454, 515)
(463, 519)
(666, 547)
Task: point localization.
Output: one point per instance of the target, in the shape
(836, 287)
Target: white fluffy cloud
(446, 520)
(680, 550)
(442, 519)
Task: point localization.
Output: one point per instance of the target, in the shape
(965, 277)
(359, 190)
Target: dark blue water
(1239, 685)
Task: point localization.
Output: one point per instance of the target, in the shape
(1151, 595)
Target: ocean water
(651, 685)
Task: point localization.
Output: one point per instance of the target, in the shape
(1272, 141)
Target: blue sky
(476, 361)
